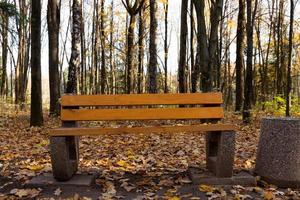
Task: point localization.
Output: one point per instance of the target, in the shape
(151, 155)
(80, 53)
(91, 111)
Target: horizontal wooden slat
(153, 129)
(141, 99)
(141, 114)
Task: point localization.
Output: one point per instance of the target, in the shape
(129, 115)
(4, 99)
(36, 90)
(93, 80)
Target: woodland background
(247, 49)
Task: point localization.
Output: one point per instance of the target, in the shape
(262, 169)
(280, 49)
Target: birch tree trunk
(74, 64)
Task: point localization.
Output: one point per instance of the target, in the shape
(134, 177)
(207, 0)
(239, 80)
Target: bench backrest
(136, 107)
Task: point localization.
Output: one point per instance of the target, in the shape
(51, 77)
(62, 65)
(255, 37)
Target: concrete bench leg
(64, 156)
(220, 148)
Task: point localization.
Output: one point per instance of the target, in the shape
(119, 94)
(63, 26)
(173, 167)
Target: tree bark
(240, 47)
(153, 48)
(83, 73)
(36, 112)
(103, 60)
(182, 52)
(4, 29)
(141, 51)
(75, 49)
(132, 10)
(215, 18)
(111, 51)
(289, 79)
(248, 91)
(53, 19)
(166, 48)
(202, 57)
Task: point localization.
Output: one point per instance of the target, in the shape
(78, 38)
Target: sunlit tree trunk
(240, 47)
(132, 10)
(141, 51)
(74, 64)
(153, 48)
(111, 52)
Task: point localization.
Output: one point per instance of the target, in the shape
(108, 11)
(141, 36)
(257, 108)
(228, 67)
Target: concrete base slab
(48, 180)
(207, 178)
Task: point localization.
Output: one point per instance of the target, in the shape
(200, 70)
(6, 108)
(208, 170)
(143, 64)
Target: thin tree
(141, 50)
(53, 20)
(289, 80)
(75, 49)
(4, 42)
(132, 10)
(240, 65)
(153, 48)
(111, 51)
(183, 48)
(36, 112)
(248, 91)
(215, 18)
(83, 74)
(102, 40)
(166, 47)
(202, 56)
(192, 24)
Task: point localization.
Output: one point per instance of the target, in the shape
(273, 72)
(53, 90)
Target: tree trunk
(130, 44)
(141, 51)
(53, 19)
(166, 48)
(36, 114)
(215, 18)
(75, 49)
(202, 57)
(102, 39)
(21, 76)
(153, 48)
(83, 56)
(248, 91)
(289, 79)
(5, 25)
(240, 56)
(193, 71)
(182, 52)
(111, 50)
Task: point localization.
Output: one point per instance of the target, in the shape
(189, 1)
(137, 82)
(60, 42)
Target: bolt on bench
(220, 138)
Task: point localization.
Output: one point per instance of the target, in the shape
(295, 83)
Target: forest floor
(131, 166)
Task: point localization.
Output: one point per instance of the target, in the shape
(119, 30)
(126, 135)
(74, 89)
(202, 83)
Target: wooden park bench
(207, 107)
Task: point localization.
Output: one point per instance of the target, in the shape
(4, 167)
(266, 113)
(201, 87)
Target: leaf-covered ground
(130, 166)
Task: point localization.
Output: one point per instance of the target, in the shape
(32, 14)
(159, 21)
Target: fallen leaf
(57, 192)
(206, 188)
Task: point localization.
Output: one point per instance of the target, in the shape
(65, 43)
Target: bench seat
(80, 131)
(206, 108)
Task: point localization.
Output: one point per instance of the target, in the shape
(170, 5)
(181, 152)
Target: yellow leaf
(206, 188)
(173, 198)
(122, 163)
(35, 167)
(268, 195)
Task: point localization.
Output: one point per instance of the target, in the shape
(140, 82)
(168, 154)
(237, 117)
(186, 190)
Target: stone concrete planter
(278, 156)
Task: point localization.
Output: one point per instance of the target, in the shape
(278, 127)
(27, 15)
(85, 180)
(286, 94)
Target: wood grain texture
(142, 99)
(141, 114)
(136, 130)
